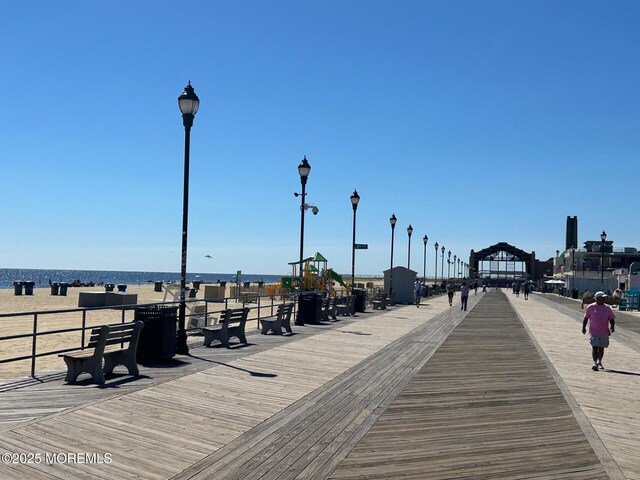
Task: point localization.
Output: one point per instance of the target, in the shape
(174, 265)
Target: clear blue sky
(473, 121)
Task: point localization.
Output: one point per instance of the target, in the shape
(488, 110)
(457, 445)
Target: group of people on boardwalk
(523, 287)
(450, 288)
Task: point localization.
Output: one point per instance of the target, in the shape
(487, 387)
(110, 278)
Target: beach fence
(38, 337)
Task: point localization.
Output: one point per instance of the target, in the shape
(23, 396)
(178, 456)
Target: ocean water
(42, 277)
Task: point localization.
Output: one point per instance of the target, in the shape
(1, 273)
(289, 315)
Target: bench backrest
(106, 335)
(234, 315)
(284, 311)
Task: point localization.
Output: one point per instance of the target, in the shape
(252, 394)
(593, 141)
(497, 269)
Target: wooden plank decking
(407, 392)
(608, 399)
(484, 407)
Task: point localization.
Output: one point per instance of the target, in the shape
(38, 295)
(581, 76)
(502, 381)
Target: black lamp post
(392, 222)
(425, 239)
(442, 250)
(449, 265)
(303, 169)
(435, 275)
(188, 102)
(355, 198)
(557, 261)
(603, 238)
(409, 232)
(455, 270)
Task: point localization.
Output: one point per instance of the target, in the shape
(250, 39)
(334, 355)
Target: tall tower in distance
(572, 233)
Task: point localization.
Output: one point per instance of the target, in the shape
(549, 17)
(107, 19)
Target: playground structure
(316, 276)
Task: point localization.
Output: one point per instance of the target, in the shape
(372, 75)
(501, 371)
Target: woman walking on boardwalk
(464, 296)
(418, 290)
(450, 293)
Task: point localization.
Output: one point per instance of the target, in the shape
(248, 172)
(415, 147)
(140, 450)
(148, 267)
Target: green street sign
(361, 246)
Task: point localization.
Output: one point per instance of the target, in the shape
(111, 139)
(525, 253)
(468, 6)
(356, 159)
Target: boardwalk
(502, 391)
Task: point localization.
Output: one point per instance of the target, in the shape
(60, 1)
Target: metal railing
(84, 312)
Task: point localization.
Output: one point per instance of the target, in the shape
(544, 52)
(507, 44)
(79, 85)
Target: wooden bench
(390, 299)
(347, 308)
(380, 303)
(248, 297)
(231, 324)
(281, 320)
(102, 345)
(329, 309)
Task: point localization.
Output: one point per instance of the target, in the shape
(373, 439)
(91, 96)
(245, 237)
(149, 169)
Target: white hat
(599, 294)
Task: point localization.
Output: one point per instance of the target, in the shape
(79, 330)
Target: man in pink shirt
(599, 316)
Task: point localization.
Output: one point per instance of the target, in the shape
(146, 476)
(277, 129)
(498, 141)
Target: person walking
(418, 291)
(598, 316)
(450, 292)
(464, 296)
(526, 289)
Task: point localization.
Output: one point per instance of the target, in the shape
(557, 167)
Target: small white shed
(402, 281)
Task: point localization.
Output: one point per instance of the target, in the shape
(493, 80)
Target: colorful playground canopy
(312, 262)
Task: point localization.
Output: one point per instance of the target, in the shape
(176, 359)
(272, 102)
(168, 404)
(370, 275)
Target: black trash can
(360, 300)
(157, 340)
(157, 287)
(17, 287)
(425, 291)
(196, 284)
(55, 288)
(28, 287)
(574, 293)
(192, 293)
(309, 308)
(122, 288)
(108, 287)
(63, 288)
(222, 284)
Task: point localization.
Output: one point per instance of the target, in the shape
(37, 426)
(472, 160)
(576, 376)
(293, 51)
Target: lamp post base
(181, 343)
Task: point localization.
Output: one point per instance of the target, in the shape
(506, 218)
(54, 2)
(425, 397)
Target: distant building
(571, 239)
(596, 266)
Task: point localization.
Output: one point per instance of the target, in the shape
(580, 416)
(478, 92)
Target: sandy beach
(42, 301)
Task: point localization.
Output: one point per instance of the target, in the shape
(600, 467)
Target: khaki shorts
(601, 341)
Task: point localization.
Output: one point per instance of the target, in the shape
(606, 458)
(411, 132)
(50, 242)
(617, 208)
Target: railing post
(84, 326)
(33, 345)
(258, 321)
